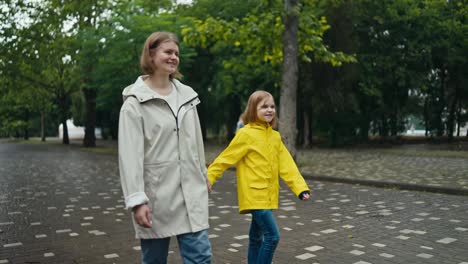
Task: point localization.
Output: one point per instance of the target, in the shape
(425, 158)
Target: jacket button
(175, 129)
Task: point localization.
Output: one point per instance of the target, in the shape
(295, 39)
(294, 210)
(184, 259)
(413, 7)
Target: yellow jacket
(261, 157)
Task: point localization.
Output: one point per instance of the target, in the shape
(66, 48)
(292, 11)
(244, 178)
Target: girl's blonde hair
(151, 44)
(250, 113)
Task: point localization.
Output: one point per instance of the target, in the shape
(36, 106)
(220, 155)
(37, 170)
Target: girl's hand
(208, 185)
(304, 196)
(142, 215)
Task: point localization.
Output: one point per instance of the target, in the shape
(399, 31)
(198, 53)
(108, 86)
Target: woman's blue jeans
(195, 248)
(263, 237)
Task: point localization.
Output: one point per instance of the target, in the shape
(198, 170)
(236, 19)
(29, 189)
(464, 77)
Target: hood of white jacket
(142, 92)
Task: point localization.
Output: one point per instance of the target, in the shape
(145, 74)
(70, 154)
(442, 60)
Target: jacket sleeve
(200, 147)
(131, 158)
(289, 172)
(230, 156)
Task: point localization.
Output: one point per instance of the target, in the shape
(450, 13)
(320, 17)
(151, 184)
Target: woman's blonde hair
(250, 113)
(151, 43)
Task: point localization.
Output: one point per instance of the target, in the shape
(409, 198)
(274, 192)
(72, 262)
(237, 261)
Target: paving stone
(379, 225)
(446, 240)
(305, 256)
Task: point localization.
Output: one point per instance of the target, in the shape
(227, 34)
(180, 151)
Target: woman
(161, 157)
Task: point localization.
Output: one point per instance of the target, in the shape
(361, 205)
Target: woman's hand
(142, 215)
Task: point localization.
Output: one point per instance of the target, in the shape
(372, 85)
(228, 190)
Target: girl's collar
(260, 124)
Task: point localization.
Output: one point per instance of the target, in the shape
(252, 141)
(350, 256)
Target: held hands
(142, 215)
(304, 196)
(208, 185)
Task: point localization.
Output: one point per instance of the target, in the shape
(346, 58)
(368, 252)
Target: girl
(261, 157)
(161, 157)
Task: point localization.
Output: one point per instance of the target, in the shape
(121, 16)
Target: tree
(290, 76)
(37, 58)
(251, 50)
(85, 18)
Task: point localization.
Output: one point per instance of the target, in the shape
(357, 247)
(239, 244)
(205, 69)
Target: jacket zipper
(176, 117)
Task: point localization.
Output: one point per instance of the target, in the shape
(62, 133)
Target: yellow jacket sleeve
(229, 157)
(290, 173)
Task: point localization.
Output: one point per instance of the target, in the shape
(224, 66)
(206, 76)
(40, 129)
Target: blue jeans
(263, 237)
(195, 248)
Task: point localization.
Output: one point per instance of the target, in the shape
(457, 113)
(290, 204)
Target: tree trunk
(441, 105)
(364, 129)
(426, 118)
(452, 101)
(393, 124)
(306, 136)
(65, 138)
(43, 138)
(26, 127)
(90, 117)
(201, 108)
(459, 121)
(234, 107)
(383, 131)
(288, 91)
(451, 119)
(26, 134)
(63, 102)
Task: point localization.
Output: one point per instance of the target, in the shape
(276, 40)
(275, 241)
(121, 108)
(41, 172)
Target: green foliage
(365, 65)
(249, 49)
(35, 65)
(404, 52)
(258, 35)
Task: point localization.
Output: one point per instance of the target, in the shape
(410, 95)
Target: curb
(382, 184)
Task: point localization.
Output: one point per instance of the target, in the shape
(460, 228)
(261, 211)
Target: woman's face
(166, 57)
(266, 110)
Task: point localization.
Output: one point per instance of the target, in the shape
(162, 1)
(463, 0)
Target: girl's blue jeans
(195, 248)
(263, 237)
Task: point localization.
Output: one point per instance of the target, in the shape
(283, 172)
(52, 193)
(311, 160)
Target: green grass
(98, 150)
(213, 150)
(102, 150)
(425, 153)
(29, 141)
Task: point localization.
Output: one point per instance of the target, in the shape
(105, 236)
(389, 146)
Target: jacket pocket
(258, 185)
(258, 191)
(152, 179)
(155, 176)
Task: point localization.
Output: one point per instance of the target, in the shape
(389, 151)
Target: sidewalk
(419, 167)
(64, 204)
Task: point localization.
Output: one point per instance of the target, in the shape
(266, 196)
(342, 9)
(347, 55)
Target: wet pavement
(61, 204)
(404, 169)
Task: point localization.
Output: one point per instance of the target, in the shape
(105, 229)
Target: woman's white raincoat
(162, 160)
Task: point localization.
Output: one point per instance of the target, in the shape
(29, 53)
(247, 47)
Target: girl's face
(166, 57)
(266, 110)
